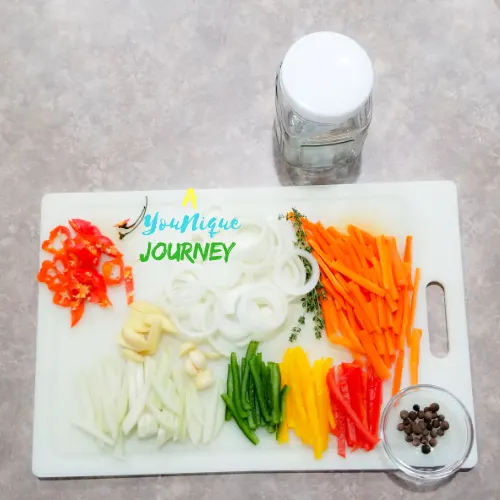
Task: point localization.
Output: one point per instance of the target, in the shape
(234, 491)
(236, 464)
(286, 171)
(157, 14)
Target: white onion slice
(303, 288)
(233, 330)
(212, 323)
(251, 313)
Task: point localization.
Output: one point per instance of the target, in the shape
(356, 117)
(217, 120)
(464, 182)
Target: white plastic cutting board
(428, 211)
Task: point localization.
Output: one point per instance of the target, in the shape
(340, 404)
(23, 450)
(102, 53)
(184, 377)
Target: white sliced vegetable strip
(220, 411)
(167, 397)
(162, 418)
(92, 431)
(136, 409)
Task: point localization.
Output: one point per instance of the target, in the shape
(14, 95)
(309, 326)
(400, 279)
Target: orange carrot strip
(398, 317)
(405, 331)
(370, 240)
(367, 251)
(325, 283)
(346, 329)
(415, 355)
(390, 321)
(333, 313)
(341, 280)
(389, 342)
(397, 265)
(356, 323)
(367, 284)
(378, 365)
(378, 340)
(391, 303)
(407, 269)
(343, 341)
(398, 372)
(382, 318)
(378, 271)
(393, 290)
(408, 258)
(316, 236)
(336, 285)
(383, 262)
(335, 250)
(358, 247)
(335, 233)
(365, 306)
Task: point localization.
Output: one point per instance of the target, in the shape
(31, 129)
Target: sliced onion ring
(304, 288)
(248, 311)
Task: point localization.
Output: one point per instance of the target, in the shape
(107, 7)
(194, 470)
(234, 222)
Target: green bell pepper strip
(251, 351)
(249, 433)
(260, 389)
(229, 390)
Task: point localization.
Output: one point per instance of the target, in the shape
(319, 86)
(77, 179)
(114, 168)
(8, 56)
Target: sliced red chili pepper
(129, 284)
(340, 424)
(47, 272)
(62, 298)
(59, 235)
(356, 396)
(83, 253)
(109, 268)
(84, 227)
(375, 401)
(77, 309)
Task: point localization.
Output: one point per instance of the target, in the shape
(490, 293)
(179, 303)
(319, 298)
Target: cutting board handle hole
(436, 318)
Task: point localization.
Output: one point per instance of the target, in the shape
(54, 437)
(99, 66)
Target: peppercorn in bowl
(426, 432)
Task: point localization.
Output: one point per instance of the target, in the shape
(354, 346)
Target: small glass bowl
(452, 449)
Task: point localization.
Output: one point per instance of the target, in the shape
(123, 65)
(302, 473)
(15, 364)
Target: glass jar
(323, 105)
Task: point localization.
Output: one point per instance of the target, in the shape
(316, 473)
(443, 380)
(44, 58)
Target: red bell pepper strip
(374, 401)
(340, 425)
(356, 396)
(337, 398)
(59, 234)
(129, 284)
(344, 389)
(109, 267)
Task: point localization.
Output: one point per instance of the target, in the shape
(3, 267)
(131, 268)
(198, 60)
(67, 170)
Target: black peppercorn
(417, 430)
(426, 449)
(434, 407)
(426, 409)
(404, 414)
(422, 425)
(435, 424)
(440, 432)
(416, 407)
(441, 417)
(408, 438)
(429, 427)
(434, 432)
(424, 441)
(445, 425)
(433, 442)
(408, 430)
(425, 432)
(407, 421)
(428, 416)
(420, 414)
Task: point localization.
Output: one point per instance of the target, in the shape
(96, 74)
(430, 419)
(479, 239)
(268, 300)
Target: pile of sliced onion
(119, 399)
(230, 304)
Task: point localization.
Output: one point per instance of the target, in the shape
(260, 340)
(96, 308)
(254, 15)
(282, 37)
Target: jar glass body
(310, 145)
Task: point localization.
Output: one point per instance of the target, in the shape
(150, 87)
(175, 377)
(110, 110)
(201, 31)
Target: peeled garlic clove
(132, 356)
(190, 368)
(121, 341)
(135, 340)
(198, 359)
(154, 336)
(186, 347)
(203, 380)
(136, 321)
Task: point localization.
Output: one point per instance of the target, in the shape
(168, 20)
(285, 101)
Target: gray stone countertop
(141, 94)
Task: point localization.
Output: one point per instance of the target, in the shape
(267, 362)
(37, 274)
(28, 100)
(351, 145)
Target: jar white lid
(326, 77)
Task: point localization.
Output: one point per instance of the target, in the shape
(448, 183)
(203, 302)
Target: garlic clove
(145, 307)
(186, 347)
(211, 355)
(190, 368)
(198, 359)
(135, 340)
(154, 336)
(203, 380)
(121, 341)
(136, 321)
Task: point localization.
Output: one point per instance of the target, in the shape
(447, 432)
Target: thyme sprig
(310, 302)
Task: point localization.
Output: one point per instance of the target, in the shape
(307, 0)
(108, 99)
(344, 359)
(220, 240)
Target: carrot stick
(398, 318)
(333, 313)
(383, 262)
(344, 342)
(390, 321)
(325, 283)
(368, 311)
(367, 284)
(336, 285)
(378, 365)
(316, 235)
(335, 250)
(408, 258)
(347, 331)
(397, 265)
(398, 372)
(391, 303)
(356, 323)
(393, 290)
(415, 355)
(378, 271)
(382, 318)
(338, 236)
(389, 342)
(341, 280)
(378, 340)
(405, 331)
